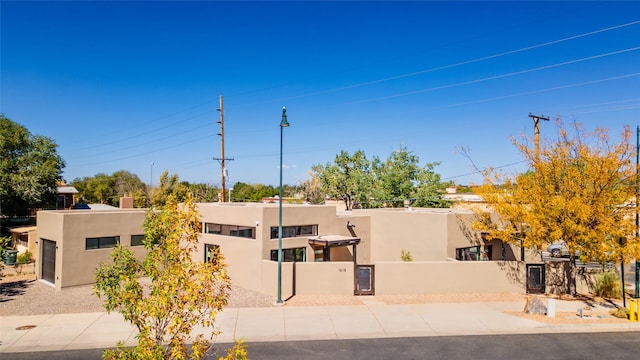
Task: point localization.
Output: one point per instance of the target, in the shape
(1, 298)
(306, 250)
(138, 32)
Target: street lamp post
(283, 124)
(151, 175)
(150, 183)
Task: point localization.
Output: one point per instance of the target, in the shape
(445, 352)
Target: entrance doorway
(364, 280)
(49, 261)
(535, 279)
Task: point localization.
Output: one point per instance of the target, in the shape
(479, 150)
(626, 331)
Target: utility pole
(637, 277)
(536, 132)
(222, 159)
(536, 141)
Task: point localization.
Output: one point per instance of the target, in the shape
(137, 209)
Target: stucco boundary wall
(308, 278)
(449, 277)
(270, 278)
(337, 278)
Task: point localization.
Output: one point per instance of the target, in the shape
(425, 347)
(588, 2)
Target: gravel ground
(23, 295)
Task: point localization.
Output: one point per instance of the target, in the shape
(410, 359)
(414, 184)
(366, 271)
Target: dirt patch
(450, 298)
(19, 277)
(323, 300)
(571, 318)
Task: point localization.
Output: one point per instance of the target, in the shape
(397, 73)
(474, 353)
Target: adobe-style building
(71, 243)
(325, 251)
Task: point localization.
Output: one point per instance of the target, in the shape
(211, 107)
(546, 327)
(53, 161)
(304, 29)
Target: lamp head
(284, 122)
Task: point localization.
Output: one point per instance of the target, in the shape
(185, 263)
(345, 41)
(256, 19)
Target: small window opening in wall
(471, 253)
(211, 252)
(295, 231)
(137, 240)
(230, 230)
(291, 255)
(101, 242)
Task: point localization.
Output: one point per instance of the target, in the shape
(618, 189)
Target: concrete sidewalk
(292, 323)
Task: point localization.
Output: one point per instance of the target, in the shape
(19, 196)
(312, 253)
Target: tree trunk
(571, 275)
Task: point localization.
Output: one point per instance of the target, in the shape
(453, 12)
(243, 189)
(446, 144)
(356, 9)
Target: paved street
(582, 346)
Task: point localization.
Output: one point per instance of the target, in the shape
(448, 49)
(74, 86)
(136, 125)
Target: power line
(544, 90)
(480, 171)
(444, 67)
(401, 76)
(501, 76)
(138, 135)
(190, 141)
(590, 33)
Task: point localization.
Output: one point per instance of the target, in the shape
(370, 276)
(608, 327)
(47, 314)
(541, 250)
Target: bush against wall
(608, 285)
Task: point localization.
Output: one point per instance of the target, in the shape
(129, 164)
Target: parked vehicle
(559, 249)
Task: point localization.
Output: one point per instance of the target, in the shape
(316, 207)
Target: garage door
(49, 261)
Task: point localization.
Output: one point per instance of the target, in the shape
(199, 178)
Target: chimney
(126, 202)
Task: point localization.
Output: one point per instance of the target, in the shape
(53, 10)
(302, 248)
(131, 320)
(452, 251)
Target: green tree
(97, 189)
(310, 190)
(430, 188)
(204, 192)
(361, 183)
(349, 178)
(108, 189)
(30, 168)
(181, 294)
(577, 191)
(168, 186)
(127, 183)
(252, 192)
(401, 177)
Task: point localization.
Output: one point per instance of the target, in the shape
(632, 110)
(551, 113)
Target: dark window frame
(102, 242)
(469, 253)
(208, 249)
(241, 231)
(298, 254)
(139, 240)
(295, 231)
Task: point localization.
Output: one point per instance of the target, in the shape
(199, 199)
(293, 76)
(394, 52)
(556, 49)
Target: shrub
(622, 313)
(608, 285)
(25, 257)
(406, 256)
(5, 244)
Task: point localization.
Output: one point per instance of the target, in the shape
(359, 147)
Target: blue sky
(121, 85)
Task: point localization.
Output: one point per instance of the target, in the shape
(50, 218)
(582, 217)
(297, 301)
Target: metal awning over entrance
(322, 244)
(333, 240)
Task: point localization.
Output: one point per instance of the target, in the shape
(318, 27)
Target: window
(137, 240)
(101, 242)
(212, 228)
(295, 231)
(210, 252)
(291, 255)
(471, 253)
(230, 230)
(488, 252)
(23, 239)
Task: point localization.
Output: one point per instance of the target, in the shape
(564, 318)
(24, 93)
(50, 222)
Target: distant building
(65, 196)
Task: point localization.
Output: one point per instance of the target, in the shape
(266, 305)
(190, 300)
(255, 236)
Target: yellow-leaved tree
(167, 294)
(579, 189)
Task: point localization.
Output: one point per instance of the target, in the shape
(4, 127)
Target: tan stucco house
(71, 243)
(325, 250)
